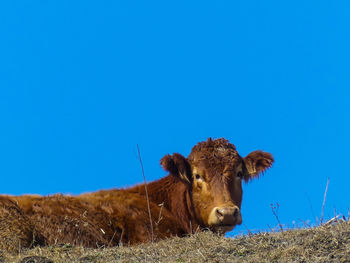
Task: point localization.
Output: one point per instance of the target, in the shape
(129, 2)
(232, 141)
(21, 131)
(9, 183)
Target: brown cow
(202, 191)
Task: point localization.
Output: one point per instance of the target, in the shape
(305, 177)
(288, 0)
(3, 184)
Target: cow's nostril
(219, 213)
(235, 212)
(225, 216)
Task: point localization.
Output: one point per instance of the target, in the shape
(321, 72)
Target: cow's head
(214, 172)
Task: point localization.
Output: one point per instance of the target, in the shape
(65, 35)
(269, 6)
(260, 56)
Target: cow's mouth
(224, 219)
(223, 228)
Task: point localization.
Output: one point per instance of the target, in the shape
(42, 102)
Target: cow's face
(214, 172)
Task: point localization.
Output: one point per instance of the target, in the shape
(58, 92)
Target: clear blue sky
(83, 82)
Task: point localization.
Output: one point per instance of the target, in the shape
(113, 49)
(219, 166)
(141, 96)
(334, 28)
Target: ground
(330, 243)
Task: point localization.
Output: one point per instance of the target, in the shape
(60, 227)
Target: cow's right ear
(178, 166)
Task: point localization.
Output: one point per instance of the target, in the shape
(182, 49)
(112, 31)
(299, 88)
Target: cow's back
(129, 212)
(100, 219)
(65, 219)
(16, 230)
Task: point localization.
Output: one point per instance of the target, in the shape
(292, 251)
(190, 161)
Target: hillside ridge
(327, 243)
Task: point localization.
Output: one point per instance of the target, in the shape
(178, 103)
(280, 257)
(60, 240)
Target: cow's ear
(257, 162)
(178, 166)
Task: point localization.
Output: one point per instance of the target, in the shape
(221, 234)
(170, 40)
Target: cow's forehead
(214, 155)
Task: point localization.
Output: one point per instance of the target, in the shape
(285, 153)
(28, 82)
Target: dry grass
(322, 244)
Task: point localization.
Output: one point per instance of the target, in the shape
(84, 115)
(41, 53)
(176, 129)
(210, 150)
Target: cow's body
(201, 191)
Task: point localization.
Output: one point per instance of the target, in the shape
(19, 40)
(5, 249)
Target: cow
(200, 192)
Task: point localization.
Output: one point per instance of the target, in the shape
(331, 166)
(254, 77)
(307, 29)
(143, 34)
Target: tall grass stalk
(148, 205)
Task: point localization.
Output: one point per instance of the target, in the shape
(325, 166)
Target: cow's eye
(239, 174)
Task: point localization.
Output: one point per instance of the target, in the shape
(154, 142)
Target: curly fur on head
(214, 154)
(217, 155)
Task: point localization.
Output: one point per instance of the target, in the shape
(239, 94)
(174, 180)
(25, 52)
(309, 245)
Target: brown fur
(188, 199)
(16, 230)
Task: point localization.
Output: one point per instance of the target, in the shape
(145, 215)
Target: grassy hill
(322, 244)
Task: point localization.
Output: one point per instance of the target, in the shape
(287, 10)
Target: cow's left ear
(257, 162)
(178, 166)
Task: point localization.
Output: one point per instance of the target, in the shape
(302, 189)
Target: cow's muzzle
(224, 219)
